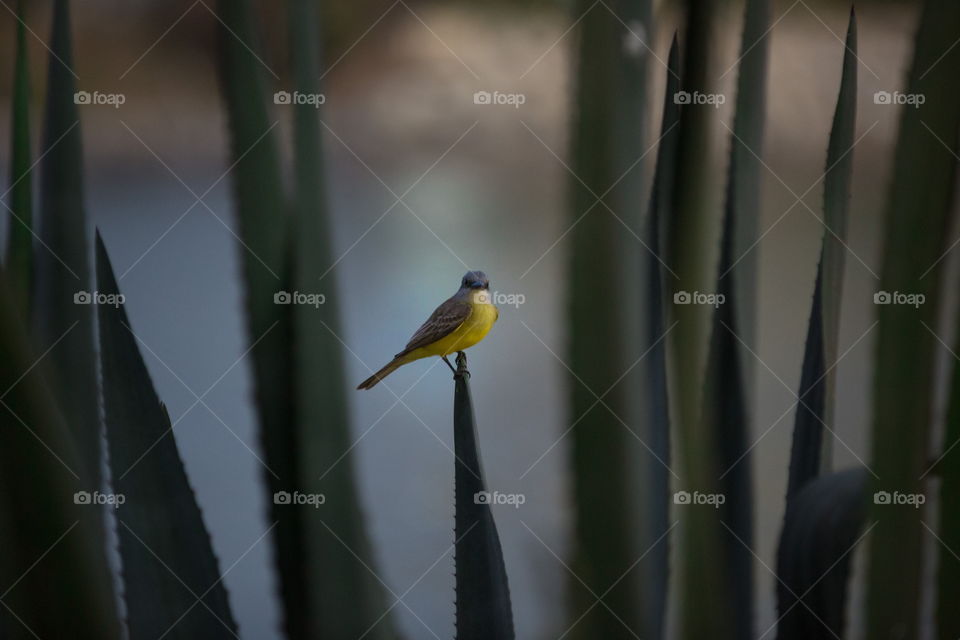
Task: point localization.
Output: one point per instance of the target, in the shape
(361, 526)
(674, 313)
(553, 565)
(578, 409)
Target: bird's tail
(389, 368)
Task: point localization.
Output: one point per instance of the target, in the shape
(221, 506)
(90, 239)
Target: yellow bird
(459, 323)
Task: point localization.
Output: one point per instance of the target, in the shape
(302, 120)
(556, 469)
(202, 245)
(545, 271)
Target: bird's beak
(476, 284)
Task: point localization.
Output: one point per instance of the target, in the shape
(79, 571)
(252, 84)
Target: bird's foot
(449, 365)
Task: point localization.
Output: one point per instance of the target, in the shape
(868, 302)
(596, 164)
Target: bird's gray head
(475, 280)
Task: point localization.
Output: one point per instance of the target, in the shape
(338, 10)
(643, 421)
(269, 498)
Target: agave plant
(688, 401)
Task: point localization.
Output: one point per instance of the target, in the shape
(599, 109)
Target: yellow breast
(473, 330)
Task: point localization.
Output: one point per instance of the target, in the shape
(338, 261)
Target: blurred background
(482, 186)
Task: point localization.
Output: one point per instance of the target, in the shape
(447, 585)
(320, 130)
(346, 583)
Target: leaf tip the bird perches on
(483, 610)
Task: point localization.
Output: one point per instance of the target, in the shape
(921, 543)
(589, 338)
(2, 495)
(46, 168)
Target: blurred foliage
(824, 513)
(19, 262)
(918, 220)
(323, 561)
(607, 136)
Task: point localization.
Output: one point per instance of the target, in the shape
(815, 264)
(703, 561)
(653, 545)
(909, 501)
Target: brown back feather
(444, 320)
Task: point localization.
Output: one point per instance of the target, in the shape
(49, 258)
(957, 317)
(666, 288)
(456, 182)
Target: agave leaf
(171, 577)
(744, 175)
(691, 233)
(63, 267)
(917, 227)
(654, 387)
(605, 313)
(264, 227)
(19, 238)
(948, 593)
(63, 272)
(819, 535)
(483, 594)
(346, 600)
(728, 384)
(54, 574)
(817, 382)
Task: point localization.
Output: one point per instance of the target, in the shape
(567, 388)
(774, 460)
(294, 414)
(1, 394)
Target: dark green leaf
(819, 536)
(691, 234)
(267, 268)
(54, 578)
(948, 593)
(653, 389)
(483, 594)
(172, 584)
(605, 313)
(62, 265)
(63, 272)
(917, 221)
(728, 384)
(345, 599)
(19, 261)
(816, 380)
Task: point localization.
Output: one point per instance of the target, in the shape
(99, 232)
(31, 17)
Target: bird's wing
(446, 318)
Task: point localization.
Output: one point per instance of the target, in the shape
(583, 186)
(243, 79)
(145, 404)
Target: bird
(460, 322)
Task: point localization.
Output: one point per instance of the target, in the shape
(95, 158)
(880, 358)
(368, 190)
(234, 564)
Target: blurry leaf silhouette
(19, 261)
(820, 533)
(811, 531)
(297, 361)
(345, 597)
(728, 391)
(604, 313)
(948, 592)
(817, 378)
(691, 234)
(917, 223)
(61, 314)
(653, 389)
(54, 578)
